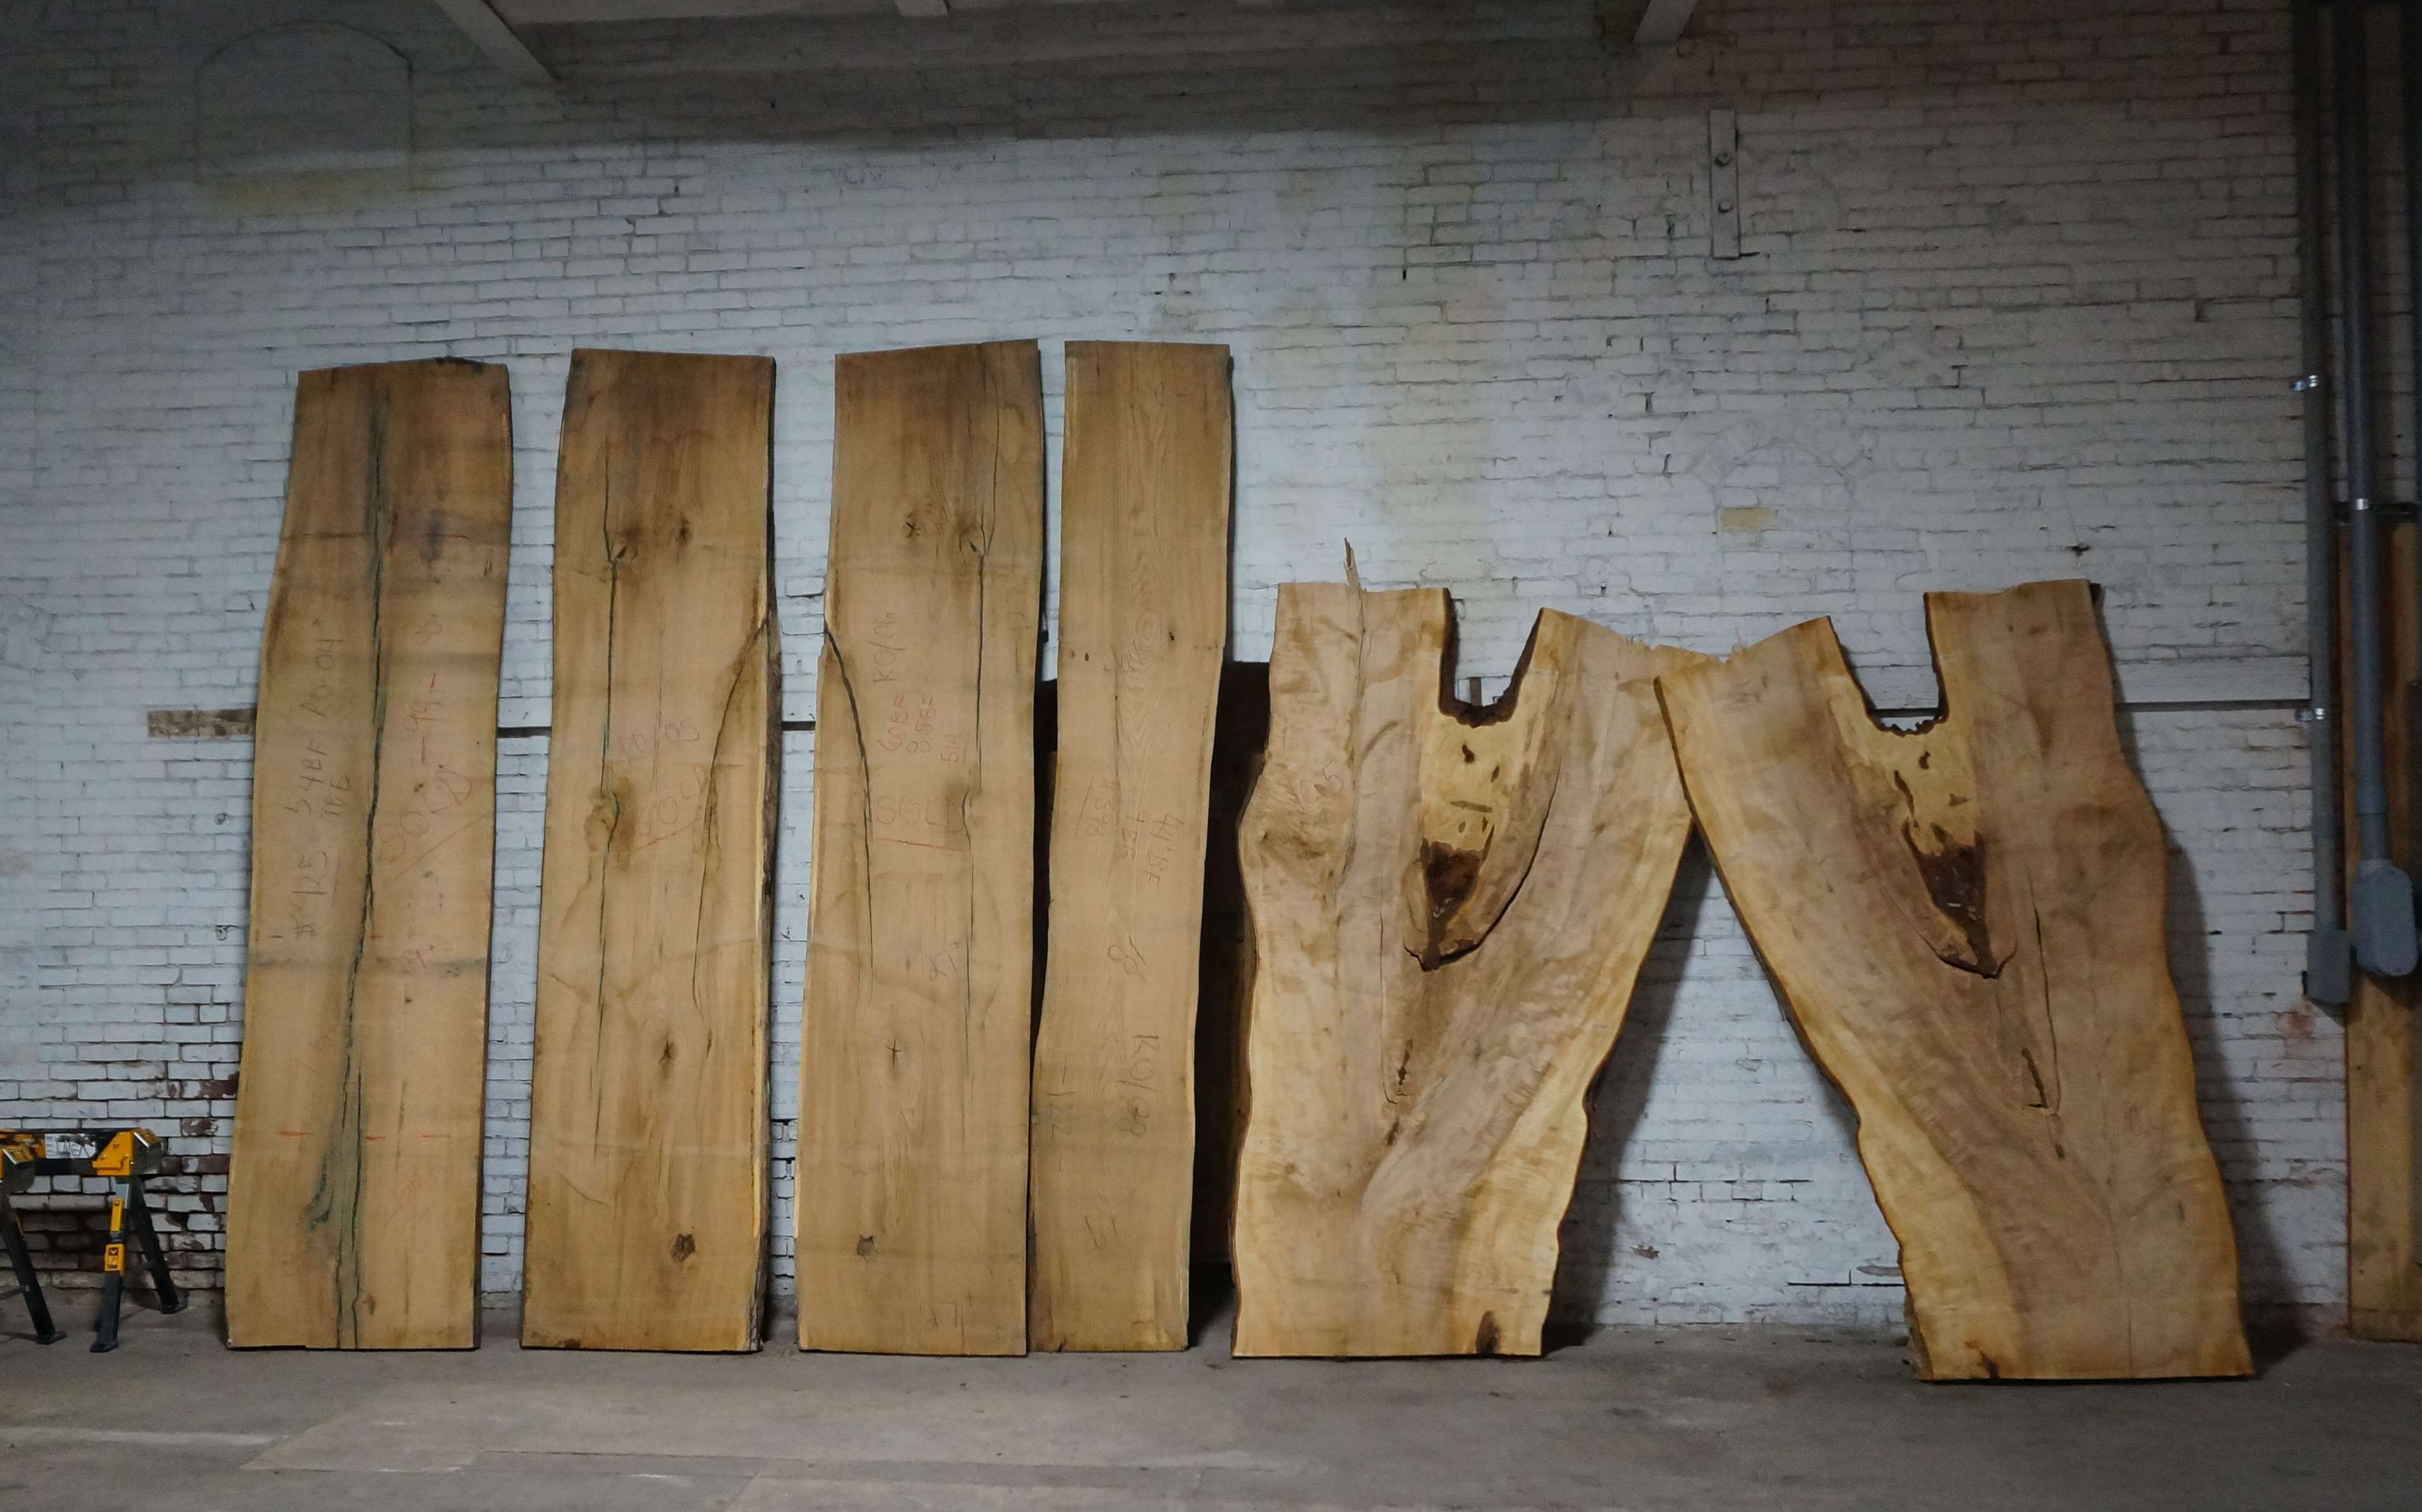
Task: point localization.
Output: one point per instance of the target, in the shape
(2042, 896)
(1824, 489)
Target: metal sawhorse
(124, 1156)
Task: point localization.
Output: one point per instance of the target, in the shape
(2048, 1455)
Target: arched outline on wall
(361, 42)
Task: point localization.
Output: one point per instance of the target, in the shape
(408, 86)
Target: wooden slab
(913, 1084)
(354, 1189)
(2383, 1072)
(1144, 627)
(648, 1119)
(1967, 923)
(1450, 905)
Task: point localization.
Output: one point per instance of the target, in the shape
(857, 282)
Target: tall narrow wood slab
(913, 1083)
(1143, 626)
(2383, 1054)
(648, 1133)
(353, 1200)
(1967, 923)
(1450, 905)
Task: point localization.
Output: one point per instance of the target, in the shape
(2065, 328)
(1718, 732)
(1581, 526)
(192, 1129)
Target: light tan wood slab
(1450, 905)
(914, 1051)
(353, 1189)
(1966, 921)
(648, 1119)
(1144, 627)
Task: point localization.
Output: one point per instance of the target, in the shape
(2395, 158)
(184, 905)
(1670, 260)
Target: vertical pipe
(2410, 88)
(2327, 954)
(2384, 941)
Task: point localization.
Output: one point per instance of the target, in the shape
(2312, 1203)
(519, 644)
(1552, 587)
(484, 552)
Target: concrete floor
(1700, 1419)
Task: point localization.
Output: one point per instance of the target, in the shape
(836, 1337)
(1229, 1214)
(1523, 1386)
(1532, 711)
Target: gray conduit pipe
(2329, 954)
(2384, 942)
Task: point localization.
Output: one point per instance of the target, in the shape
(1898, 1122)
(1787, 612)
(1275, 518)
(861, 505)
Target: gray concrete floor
(1631, 1419)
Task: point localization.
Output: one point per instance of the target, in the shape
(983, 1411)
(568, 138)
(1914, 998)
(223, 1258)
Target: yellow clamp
(117, 1158)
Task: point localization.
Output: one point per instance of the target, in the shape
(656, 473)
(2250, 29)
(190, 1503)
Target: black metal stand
(122, 1155)
(29, 1284)
(127, 1201)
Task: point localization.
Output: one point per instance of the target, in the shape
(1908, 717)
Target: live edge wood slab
(353, 1200)
(1143, 626)
(1966, 921)
(648, 1119)
(2384, 1070)
(914, 1061)
(1450, 905)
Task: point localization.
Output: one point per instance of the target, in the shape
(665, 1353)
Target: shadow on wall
(1061, 70)
(1585, 1269)
(2262, 1261)
(302, 115)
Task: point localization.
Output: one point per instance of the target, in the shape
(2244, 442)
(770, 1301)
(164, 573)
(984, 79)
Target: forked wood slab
(1450, 905)
(920, 994)
(1143, 626)
(1966, 921)
(353, 1200)
(648, 1133)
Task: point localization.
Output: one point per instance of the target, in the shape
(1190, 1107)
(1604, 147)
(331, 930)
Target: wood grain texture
(1967, 923)
(920, 994)
(353, 1195)
(2382, 1073)
(648, 1119)
(1450, 905)
(1143, 628)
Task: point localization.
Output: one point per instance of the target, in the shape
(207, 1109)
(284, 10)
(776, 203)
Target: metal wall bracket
(1723, 186)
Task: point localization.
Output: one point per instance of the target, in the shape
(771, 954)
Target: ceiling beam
(1661, 22)
(1628, 24)
(490, 35)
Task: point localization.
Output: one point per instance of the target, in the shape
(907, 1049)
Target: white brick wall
(2017, 302)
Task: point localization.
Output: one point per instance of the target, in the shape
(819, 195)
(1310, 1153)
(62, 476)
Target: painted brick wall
(2016, 301)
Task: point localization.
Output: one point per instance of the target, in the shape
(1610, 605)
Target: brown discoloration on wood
(647, 1208)
(205, 724)
(919, 998)
(1143, 625)
(1416, 1091)
(353, 1214)
(1966, 921)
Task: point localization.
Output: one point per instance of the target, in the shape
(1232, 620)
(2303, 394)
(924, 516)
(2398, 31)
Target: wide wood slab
(1144, 627)
(1966, 921)
(648, 1119)
(1450, 905)
(911, 1178)
(353, 1190)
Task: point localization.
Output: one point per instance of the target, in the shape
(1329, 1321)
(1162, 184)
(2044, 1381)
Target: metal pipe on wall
(2409, 28)
(2328, 952)
(2384, 939)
